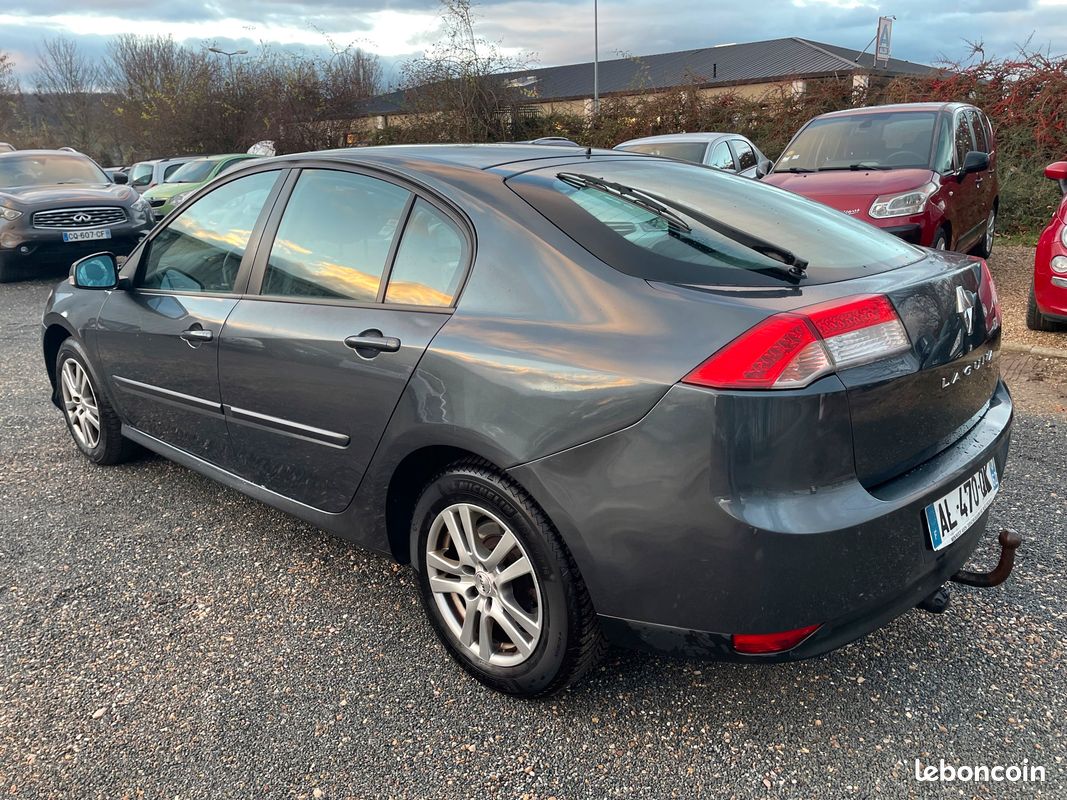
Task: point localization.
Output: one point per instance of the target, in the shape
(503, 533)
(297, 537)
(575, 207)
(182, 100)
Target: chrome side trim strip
(287, 427)
(186, 401)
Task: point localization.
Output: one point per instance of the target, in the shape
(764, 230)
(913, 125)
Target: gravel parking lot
(162, 636)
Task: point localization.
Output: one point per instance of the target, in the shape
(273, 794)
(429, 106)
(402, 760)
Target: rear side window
(721, 157)
(746, 159)
(201, 249)
(684, 151)
(429, 264)
(335, 237)
(649, 245)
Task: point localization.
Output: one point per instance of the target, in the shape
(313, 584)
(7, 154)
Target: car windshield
(193, 171)
(884, 140)
(48, 170)
(684, 151)
(707, 243)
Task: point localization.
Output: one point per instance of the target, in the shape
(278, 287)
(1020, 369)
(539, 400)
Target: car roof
(696, 136)
(469, 156)
(43, 152)
(847, 112)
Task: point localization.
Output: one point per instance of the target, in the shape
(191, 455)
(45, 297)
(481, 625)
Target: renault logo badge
(965, 307)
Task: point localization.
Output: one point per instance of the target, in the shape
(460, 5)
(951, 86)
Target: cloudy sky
(550, 31)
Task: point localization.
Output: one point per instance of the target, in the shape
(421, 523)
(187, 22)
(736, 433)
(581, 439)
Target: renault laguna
(589, 396)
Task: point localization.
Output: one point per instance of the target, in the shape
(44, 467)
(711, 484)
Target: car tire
(985, 247)
(93, 424)
(940, 241)
(507, 602)
(1035, 320)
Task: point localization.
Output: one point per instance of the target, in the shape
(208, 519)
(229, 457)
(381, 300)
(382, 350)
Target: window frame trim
(253, 289)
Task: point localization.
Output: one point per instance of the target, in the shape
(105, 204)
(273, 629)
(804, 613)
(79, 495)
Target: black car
(58, 205)
(581, 392)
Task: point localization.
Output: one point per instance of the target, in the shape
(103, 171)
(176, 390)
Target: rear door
(354, 277)
(158, 341)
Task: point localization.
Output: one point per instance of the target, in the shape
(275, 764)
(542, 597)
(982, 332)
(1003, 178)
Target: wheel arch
(54, 335)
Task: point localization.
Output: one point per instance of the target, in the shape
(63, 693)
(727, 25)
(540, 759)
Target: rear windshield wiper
(628, 193)
(793, 266)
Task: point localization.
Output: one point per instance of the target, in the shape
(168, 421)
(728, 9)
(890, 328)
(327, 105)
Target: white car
(729, 152)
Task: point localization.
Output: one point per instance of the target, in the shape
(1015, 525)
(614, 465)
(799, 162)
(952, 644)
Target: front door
(967, 192)
(158, 340)
(359, 277)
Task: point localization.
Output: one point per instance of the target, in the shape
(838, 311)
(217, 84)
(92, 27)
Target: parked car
(56, 206)
(926, 172)
(7, 148)
(185, 180)
(729, 152)
(146, 174)
(578, 391)
(1047, 309)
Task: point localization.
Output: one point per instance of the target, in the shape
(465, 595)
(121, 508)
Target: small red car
(1048, 294)
(923, 171)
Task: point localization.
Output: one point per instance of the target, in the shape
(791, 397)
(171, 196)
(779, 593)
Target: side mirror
(98, 271)
(1057, 171)
(975, 161)
(120, 177)
(763, 169)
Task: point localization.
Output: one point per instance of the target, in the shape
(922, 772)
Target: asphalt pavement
(164, 637)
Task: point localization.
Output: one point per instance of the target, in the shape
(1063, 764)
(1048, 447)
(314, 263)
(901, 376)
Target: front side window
(429, 264)
(202, 247)
(721, 157)
(981, 143)
(879, 140)
(946, 145)
(141, 174)
(192, 171)
(688, 242)
(964, 140)
(746, 159)
(335, 237)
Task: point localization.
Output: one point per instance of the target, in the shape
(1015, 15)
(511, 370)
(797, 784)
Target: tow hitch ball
(1009, 543)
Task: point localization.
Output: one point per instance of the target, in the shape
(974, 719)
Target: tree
(455, 90)
(70, 108)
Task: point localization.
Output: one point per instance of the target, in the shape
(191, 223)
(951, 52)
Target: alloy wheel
(990, 229)
(484, 585)
(79, 402)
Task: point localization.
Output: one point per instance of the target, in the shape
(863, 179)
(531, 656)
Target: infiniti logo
(965, 307)
(82, 218)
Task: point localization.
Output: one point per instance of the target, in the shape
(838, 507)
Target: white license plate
(86, 236)
(950, 517)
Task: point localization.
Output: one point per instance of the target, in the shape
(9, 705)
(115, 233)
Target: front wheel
(500, 588)
(1035, 320)
(940, 241)
(985, 248)
(93, 424)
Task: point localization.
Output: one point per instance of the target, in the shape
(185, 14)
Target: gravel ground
(166, 637)
(1013, 270)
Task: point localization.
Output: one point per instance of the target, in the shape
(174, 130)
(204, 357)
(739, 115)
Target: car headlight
(179, 198)
(9, 213)
(142, 205)
(1063, 234)
(1059, 265)
(903, 204)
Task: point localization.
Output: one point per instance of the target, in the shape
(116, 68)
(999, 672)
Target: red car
(923, 171)
(1048, 294)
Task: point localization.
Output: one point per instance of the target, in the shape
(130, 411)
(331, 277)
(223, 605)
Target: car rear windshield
(192, 171)
(48, 170)
(687, 243)
(684, 151)
(885, 140)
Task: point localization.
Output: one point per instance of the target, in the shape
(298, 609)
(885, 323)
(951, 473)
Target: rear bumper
(679, 555)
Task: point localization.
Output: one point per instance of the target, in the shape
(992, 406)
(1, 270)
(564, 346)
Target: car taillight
(987, 293)
(792, 349)
(753, 643)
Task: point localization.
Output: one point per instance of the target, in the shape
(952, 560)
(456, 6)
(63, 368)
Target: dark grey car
(58, 205)
(582, 394)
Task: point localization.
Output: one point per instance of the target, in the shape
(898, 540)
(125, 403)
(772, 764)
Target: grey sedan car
(588, 396)
(730, 152)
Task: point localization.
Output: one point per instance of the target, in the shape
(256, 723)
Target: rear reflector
(792, 349)
(771, 642)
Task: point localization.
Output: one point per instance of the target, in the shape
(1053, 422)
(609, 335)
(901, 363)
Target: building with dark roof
(752, 69)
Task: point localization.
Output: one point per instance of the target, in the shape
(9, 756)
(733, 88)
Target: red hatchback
(1048, 295)
(923, 171)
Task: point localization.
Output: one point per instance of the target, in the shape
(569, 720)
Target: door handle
(196, 335)
(369, 343)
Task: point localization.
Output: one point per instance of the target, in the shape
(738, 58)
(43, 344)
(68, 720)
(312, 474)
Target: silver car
(729, 152)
